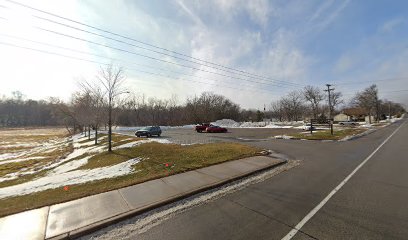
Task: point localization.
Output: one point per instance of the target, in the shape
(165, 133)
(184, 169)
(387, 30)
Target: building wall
(341, 117)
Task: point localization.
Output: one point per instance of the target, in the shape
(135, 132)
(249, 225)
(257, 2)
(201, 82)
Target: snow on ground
(24, 154)
(62, 171)
(229, 123)
(60, 179)
(226, 123)
(147, 140)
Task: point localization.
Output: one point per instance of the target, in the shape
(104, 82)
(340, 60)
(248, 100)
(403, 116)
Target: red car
(216, 129)
(202, 127)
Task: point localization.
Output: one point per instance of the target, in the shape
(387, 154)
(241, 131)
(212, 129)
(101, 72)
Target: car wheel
(159, 134)
(148, 135)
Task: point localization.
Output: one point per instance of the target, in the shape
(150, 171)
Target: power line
(144, 43)
(380, 92)
(144, 48)
(379, 80)
(100, 56)
(96, 62)
(153, 58)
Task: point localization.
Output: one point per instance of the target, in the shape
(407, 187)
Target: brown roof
(354, 111)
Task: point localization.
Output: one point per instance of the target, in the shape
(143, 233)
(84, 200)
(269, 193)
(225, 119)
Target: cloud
(345, 63)
(286, 42)
(324, 22)
(323, 8)
(193, 16)
(259, 11)
(390, 25)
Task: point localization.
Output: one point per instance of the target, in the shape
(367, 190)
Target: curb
(345, 139)
(115, 219)
(353, 137)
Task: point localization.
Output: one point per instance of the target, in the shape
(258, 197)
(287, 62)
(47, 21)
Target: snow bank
(226, 123)
(252, 124)
(229, 123)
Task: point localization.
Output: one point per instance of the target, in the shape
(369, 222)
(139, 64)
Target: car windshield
(147, 129)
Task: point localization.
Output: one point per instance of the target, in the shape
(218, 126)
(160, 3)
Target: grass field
(151, 160)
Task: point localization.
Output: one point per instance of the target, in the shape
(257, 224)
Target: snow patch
(69, 178)
(226, 123)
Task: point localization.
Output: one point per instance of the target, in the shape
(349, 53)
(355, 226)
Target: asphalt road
(189, 136)
(371, 205)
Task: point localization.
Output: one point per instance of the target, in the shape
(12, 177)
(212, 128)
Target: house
(351, 114)
(341, 117)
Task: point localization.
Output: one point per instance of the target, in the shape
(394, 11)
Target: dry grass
(326, 134)
(155, 157)
(29, 142)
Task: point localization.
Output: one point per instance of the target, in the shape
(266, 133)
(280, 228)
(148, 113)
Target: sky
(252, 52)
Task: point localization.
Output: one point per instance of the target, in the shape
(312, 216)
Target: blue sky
(346, 43)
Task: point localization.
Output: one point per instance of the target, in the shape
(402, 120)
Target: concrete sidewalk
(75, 218)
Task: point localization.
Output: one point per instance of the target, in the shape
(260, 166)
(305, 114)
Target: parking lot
(189, 136)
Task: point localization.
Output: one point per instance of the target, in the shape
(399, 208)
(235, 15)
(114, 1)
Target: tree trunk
(110, 129)
(369, 116)
(96, 135)
(89, 132)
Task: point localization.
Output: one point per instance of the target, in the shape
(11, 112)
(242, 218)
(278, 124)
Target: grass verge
(326, 135)
(155, 157)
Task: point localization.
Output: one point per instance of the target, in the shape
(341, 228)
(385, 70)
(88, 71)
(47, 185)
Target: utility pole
(389, 111)
(330, 107)
(328, 91)
(264, 115)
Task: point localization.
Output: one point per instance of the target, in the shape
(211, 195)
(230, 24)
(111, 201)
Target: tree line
(312, 102)
(104, 102)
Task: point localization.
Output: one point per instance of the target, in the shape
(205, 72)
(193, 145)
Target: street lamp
(111, 97)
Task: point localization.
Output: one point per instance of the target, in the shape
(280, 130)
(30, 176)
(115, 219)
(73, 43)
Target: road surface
(371, 203)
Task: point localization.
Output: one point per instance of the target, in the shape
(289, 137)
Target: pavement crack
(271, 218)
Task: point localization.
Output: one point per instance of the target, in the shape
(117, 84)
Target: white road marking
(293, 232)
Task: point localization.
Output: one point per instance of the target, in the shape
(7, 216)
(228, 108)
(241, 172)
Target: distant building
(341, 117)
(351, 114)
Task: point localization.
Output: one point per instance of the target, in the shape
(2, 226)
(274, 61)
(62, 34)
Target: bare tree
(277, 110)
(368, 99)
(314, 96)
(112, 80)
(336, 100)
(97, 104)
(292, 105)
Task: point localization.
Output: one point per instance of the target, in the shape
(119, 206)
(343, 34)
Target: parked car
(202, 127)
(348, 123)
(216, 129)
(149, 131)
(307, 127)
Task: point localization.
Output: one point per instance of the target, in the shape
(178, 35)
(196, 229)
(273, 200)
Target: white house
(341, 117)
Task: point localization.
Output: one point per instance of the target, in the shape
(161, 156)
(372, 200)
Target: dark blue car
(149, 131)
